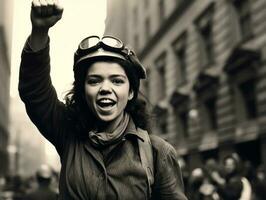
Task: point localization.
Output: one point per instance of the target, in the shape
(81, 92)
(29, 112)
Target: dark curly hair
(78, 110)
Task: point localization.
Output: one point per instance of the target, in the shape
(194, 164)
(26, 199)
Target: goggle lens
(89, 42)
(107, 41)
(112, 42)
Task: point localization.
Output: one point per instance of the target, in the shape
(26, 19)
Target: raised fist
(45, 13)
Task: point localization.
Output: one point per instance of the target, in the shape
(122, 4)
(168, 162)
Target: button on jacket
(87, 173)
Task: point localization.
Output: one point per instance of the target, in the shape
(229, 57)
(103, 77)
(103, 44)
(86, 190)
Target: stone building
(206, 66)
(5, 49)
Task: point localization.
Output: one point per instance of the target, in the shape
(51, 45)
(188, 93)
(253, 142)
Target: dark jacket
(86, 172)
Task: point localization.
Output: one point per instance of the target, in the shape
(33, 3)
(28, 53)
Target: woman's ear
(130, 95)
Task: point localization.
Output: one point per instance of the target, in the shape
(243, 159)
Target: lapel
(96, 154)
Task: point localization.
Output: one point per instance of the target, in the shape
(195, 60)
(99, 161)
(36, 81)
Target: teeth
(105, 101)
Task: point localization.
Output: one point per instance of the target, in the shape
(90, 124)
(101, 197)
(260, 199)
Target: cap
(102, 53)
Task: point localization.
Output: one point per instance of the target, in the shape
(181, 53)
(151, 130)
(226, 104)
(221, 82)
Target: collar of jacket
(131, 130)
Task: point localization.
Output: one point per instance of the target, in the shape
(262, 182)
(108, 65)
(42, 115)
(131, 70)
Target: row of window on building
(205, 86)
(203, 23)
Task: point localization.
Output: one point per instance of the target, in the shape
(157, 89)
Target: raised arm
(35, 85)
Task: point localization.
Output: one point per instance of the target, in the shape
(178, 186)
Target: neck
(109, 126)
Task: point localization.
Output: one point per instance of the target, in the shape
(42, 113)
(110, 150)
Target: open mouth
(105, 103)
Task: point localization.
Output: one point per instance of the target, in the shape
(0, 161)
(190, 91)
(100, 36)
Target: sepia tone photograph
(133, 99)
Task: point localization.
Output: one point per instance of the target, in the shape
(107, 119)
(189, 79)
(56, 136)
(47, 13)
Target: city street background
(206, 67)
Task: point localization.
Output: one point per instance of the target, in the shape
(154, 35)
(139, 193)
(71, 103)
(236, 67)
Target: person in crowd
(248, 170)
(233, 186)
(195, 181)
(259, 184)
(43, 190)
(201, 186)
(208, 188)
(100, 131)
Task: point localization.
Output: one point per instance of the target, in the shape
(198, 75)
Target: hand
(217, 178)
(45, 13)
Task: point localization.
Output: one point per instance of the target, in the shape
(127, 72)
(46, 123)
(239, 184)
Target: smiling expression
(107, 90)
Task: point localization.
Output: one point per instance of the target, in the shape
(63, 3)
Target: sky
(81, 18)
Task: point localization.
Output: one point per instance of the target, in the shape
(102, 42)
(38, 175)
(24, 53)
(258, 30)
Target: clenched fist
(45, 13)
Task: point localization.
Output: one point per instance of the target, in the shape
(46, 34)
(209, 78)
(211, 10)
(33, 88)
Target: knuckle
(43, 2)
(50, 2)
(36, 3)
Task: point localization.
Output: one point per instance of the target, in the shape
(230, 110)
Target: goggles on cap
(107, 46)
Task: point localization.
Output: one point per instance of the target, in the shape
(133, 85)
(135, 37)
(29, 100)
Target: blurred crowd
(43, 185)
(229, 179)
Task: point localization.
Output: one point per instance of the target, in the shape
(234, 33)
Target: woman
(97, 132)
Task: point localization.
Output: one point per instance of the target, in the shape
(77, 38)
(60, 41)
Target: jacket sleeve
(168, 177)
(39, 96)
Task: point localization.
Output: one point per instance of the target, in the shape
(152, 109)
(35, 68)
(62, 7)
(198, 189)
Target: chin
(107, 115)
(106, 118)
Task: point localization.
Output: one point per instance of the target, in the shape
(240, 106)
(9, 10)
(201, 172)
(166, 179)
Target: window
(204, 26)
(242, 69)
(161, 112)
(247, 92)
(210, 109)
(206, 87)
(182, 118)
(147, 28)
(162, 80)
(243, 10)
(160, 64)
(208, 113)
(180, 52)
(179, 101)
(161, 10)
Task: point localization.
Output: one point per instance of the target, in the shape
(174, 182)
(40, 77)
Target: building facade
(116, 10)
(5, 46)
(206, 66)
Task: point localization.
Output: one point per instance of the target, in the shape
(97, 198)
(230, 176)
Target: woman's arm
(168, 178)
(35, 86)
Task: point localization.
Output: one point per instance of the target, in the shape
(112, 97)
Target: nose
(105, 88)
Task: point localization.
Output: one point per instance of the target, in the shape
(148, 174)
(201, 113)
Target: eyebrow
(112, 76)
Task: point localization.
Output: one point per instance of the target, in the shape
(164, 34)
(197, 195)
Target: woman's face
(107, 90)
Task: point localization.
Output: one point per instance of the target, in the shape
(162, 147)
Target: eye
(93, 81)
(118, 81)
